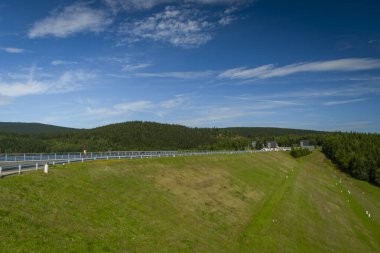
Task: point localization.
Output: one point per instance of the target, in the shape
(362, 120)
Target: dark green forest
(137, 135)
(356, 153)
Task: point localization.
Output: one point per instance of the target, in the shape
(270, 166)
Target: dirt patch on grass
(212, 191)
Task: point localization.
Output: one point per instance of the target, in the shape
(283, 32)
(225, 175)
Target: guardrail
(18, 163)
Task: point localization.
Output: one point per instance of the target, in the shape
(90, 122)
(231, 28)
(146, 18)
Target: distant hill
(139, 135)
(31, 128)
(268, 131)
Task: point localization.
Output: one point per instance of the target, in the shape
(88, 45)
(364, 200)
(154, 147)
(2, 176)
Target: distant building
(306, 144)
(311, 148)
(272, 145)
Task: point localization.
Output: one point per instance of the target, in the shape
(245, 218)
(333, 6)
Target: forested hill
(139, 135)
(356, 153)
(31, 128)
(268, 131)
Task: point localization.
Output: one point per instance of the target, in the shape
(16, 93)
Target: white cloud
(134, 106)
(13, 50)
(18, 89)
(24, 85)
(60, 62)
(181, 27)
(219, 1)
(269, 71)
(179, 75)
(117, 5)
(134, 67)
(173, 103)
(122, 108)
(341, 102)
(72, 19)
(226, 20)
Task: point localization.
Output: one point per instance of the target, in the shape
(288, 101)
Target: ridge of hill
(32, 128)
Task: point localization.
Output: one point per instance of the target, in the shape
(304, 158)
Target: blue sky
(199, 63)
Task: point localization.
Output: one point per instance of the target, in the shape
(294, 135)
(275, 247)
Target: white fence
(18, 163)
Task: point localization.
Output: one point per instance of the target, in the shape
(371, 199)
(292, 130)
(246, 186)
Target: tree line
(356, 153)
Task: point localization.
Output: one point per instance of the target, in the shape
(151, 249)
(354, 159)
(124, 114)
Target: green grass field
(264, 202)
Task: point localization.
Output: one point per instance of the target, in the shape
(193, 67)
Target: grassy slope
(239, 203)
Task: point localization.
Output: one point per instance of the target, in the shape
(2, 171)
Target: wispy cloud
(136, 66)
(12, 50)
(174, 102)
(75, 18)
(179, 26)
(179, 75)
(122, 108)
(33, 84)
(60, 62)
(269, 71)
(341, 102)
(352, 91)
(128, 5)
(117, 5)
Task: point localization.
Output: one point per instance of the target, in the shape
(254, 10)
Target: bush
(299, 152)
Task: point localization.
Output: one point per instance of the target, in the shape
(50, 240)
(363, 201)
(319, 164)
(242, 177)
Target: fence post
(19, 169)
(24, 157)
(1, 169)
(36, 166)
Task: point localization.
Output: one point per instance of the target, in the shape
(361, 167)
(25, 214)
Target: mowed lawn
(264, 202)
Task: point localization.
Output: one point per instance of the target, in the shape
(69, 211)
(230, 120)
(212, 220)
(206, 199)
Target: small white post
(53, 163)
(107, 158)
(36, 166)
(82, 160)
(1, 169)
(46, 168)
(19, 169)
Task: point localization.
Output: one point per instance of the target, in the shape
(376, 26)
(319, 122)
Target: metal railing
(18, 163)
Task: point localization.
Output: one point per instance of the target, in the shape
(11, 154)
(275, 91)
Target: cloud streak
(177, 75)
(72, 19)
(341, 102)
(25, 85)
(270, 71)
(128, 5)
(12, 50)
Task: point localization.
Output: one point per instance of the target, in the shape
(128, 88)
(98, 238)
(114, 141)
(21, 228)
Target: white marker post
(46, 168)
